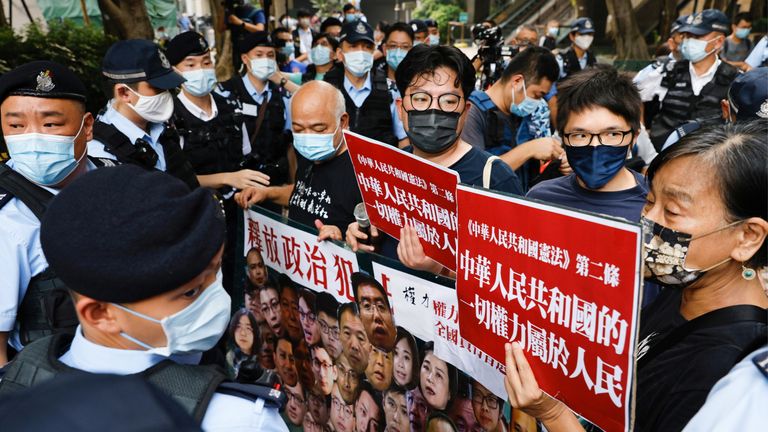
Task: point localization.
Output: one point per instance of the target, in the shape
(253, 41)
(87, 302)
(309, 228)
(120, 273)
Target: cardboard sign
(401, 189)
(565, 285)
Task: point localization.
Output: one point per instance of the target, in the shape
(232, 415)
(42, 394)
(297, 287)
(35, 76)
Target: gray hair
(526, 27)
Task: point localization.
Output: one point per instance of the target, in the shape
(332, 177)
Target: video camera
(491, 52)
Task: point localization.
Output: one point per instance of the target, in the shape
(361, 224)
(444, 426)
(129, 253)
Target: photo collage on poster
(348, 367)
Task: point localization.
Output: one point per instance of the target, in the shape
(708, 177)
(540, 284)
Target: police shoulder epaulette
(761, 362)
(272, 396)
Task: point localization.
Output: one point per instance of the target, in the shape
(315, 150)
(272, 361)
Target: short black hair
(398, 26)
(366, 386)
(737, 154)
(328, 22)
(331, 40)
(254, 327)
(347, 307)
(439, 416)
(277, 41)
(423, 60)
(534, 63)
(348, 7)
(599, 86)
(303, 13)
(742, 16)
(326, 303)
(383, 25)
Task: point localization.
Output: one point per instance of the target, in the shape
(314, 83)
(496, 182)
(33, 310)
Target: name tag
(681, 84)
(250, 109)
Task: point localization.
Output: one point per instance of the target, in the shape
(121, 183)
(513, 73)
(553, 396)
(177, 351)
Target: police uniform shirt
(22, 258)
(111, 116)
(650, 86)
(203, 115)
(737, 402)
(561, 63)
(759, 53)
(358, 96)
(266, 95)
(224, 412)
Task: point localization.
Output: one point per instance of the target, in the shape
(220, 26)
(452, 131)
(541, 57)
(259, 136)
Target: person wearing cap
(265, 107)
(322, 56)
(549, 39)
(747, 97)
(45, 126)
(420, 32)
(323, 165)
(578, 56)
(692, 88)
(369, 103)
(433, 32)
(133, 127)
(673, 43)
(156, 322)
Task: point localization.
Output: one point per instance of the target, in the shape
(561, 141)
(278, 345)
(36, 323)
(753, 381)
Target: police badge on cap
(42, 79)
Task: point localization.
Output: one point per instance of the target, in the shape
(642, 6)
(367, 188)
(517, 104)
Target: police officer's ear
(123, 94)
(96, 314)
(339, 54)
(88, 126)
(572, 36)
(246, 61)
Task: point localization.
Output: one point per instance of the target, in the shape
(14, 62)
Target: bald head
(315, 98)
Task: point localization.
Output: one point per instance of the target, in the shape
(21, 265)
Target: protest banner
(399, 188)
(565, 285)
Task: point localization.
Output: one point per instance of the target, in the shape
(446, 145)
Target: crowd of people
(119, 229)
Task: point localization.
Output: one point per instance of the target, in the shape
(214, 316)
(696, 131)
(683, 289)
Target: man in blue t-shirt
(598, 118)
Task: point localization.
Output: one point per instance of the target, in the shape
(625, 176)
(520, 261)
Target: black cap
(706, 21)
(430, 23)
(186, 44)
(678, 24)
(418, 26)
(679, 132)
(135, 60)
(748, 95)
(252, 40)
(357, 30)
(124, 234)
(44, 79)
(583, 25)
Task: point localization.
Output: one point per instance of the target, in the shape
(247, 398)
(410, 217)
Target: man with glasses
(487, 408)
(295, 407)
(342, 413)
(692, 88)
(269, 298)
(347, 379)
(322, 366)
(327, 308)
(375, 312)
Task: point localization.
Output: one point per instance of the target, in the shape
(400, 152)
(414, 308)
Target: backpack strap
(272, 396)
(487, 171)
(37, 363)
(481, 100)
(116, 143)
(13, 184)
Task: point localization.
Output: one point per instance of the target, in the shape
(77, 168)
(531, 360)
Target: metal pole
(10, 13)
(26, 9)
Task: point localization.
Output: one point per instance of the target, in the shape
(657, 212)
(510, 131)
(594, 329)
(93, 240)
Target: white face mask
(154, 109)
(262, 68)
(358, 63)
(583, 41)
(194, 329)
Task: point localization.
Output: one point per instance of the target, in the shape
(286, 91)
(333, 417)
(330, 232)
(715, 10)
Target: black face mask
(433, 131)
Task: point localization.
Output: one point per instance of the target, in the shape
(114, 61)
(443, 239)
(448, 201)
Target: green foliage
(79, 48)
(441, 11)
(326, 8)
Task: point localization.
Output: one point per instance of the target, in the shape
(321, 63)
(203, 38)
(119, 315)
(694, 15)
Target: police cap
(135, 60)
(44, 79)
(748, 95)
(185, 44)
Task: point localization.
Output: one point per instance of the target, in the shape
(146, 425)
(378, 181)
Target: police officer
(369, 102)
(420, 32)
(433, 32)
(578, 56)
(398, 40)
(265, 107)
(146, 287)
(132, 128)
(747, 97)
(690, 89)
(46, 127)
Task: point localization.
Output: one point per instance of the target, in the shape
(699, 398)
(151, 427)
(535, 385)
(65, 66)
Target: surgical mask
(432, 131)
(395, 56)
(742, 33)
(350, 17)
(262, 68)
(154, 109)
(304, 22)
(194, 329)
(316, 147)
(320, 55)
(199, 82)
(358, 63)
(43, 158)
(552, 31)
(526, 107)
(596, 165)
(695, 50)
(433, 39)
(417, 42)
(583, 41)
(665, 251)
(288, 49)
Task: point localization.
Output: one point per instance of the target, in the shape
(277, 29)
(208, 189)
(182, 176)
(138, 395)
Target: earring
(748, 273)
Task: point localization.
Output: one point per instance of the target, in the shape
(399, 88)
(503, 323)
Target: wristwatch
(283, 81)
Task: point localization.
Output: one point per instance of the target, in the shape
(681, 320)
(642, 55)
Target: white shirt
(224, 413)
(648, 81)
(305, 40)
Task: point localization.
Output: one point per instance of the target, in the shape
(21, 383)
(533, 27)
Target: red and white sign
(399, 188)
(565, 285)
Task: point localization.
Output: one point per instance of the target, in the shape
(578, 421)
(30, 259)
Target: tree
(630, 44)
(441, 11)
(223, 41)
(3, 21)
(327, 8)
(126, 19)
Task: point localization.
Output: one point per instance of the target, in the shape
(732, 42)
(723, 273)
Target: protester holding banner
(705, 240)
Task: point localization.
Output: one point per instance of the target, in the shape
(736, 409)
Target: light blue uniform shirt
(21, 258)
(759, 53)
(133, 132)
(224, 413)
(561, 63)
(358, 96)
(259, 98)
(738, 402)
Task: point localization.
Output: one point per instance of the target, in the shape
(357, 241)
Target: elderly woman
(705, 241)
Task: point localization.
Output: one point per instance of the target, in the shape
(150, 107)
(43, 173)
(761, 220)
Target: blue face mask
(526, 107)
(433, 39)
(596, 165)
(395, 56)
(320, 55)
(288, 50)
(42, 158)
(350, 17)
(742, 33)
(315, 147)
(199, 82)
(695, 50)
(358, 63)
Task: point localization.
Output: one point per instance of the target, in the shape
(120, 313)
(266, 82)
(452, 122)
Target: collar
(196, 110)
(351, 87)
(129, 128)
(252, 90)
(91, 357)
(708, 74)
